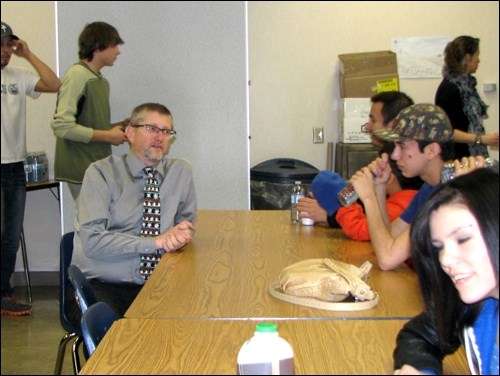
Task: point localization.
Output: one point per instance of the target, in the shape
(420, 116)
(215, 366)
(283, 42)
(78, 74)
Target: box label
(387, 85)
(367, 86)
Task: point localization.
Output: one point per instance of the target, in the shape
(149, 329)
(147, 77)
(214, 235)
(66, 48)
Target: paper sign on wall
(420, 57)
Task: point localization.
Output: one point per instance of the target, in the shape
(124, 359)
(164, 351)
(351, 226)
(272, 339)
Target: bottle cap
(266, 327)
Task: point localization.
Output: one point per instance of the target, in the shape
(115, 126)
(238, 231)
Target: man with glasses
(112, 247)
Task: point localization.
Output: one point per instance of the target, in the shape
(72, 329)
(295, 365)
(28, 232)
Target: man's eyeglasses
(149, 128)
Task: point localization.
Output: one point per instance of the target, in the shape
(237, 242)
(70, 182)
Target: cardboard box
(365, 74)
(368, 64)
(353, 113)
(351, 130)
(367, 86)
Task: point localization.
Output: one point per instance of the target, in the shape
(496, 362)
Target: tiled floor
(30, 343)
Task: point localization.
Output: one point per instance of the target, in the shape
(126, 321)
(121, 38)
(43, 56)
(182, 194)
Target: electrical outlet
(318, 135)
(490, 87)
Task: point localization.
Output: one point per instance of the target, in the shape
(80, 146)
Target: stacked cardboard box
(363, 75)
(367, 73)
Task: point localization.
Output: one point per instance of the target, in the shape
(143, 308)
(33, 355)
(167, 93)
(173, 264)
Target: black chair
(83, 291)
(73, 330)
(96, 321)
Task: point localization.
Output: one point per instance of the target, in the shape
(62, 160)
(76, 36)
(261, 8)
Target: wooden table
(224, 273)
(142, 346)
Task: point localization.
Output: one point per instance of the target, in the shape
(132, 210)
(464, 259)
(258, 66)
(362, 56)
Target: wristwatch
(478, 139)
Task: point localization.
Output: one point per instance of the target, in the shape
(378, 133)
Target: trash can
(271, 182)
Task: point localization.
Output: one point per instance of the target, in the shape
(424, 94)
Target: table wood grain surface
(145, 346)
(224, 273)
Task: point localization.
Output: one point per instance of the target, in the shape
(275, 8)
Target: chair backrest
(96, 321)
(66, 253)
(83, 291)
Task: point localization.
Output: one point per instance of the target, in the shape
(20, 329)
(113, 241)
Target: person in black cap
(423, 139)
(17, 83)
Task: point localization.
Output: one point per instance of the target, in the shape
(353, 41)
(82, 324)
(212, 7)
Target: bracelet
(478, 139)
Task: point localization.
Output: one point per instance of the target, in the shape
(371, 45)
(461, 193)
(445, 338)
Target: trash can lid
(283, 169)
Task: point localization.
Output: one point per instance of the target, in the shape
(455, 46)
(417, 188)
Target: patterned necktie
(150, 221)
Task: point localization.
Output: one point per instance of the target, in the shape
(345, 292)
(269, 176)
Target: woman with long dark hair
(458, 97)
(454, 241)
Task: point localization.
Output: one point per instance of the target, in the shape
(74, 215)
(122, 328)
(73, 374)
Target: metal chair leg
(62, 348)
(26, 267)
(76, 355)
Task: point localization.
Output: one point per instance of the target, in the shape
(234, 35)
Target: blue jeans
(13, 202)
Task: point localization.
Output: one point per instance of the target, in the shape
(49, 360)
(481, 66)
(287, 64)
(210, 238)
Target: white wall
(293, 62)
(191, 56)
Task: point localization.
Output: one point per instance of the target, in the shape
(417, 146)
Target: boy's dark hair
(393, 102)
(97, 36)
(447, 148)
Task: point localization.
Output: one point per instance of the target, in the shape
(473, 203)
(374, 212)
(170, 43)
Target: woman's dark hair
(97, 36)
(478, 191)
(455, 52)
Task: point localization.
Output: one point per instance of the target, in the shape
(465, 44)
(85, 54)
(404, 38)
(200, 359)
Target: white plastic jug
(266, 353)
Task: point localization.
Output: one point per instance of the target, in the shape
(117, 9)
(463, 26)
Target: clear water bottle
(298, 192)
(266, 353)
(28, 168)
(44, 161)
(448, 169)
(39, 167)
